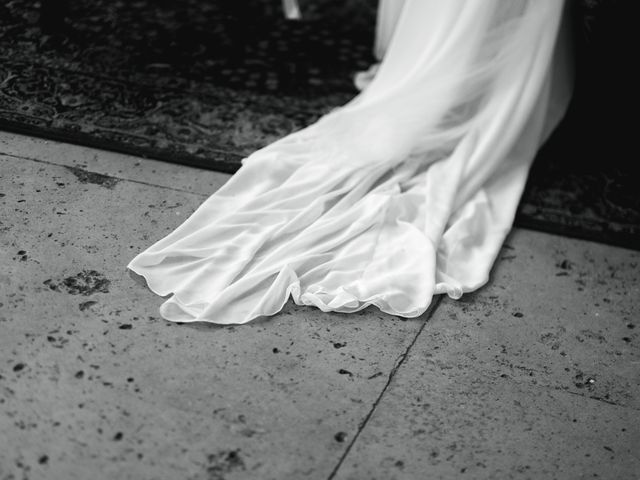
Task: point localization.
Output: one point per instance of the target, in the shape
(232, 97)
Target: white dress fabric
(407, 191)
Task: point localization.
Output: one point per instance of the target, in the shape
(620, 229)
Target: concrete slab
(94, 383)
(537, 375)
(115, 165)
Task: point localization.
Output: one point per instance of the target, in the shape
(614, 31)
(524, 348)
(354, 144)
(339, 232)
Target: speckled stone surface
(536, 375)
(117, 166)
(93, 381)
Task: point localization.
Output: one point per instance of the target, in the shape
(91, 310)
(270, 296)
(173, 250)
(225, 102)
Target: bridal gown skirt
(407, 191)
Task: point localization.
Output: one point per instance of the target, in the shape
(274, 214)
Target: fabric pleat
(405, 192)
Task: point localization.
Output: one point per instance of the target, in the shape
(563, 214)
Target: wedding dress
(407, 191)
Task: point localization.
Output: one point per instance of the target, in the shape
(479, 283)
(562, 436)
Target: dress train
(405, 192)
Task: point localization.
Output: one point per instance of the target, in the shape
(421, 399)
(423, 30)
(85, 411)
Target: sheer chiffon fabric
(407, 191)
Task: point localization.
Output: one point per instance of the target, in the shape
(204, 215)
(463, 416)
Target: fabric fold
(406, 192)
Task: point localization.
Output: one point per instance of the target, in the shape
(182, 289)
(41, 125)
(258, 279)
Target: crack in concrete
(399, 362)
(597, 399)
(20, 157)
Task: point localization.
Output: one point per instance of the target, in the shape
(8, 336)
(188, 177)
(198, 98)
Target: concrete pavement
(537, 375)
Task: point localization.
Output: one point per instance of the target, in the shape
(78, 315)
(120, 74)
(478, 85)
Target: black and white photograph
(319, 239)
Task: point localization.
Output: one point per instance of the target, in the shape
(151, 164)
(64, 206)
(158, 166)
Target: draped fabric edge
(272, 232)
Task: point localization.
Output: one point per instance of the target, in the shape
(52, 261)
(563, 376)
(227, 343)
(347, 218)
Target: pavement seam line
(399, 362)
(594, 398)
(121, 179)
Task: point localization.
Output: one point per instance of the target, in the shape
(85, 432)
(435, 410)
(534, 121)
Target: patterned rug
(207, 83)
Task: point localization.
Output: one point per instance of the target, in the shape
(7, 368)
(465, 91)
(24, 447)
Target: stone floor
(537, 375)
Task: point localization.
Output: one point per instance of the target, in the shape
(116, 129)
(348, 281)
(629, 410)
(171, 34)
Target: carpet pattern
(207, 83)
